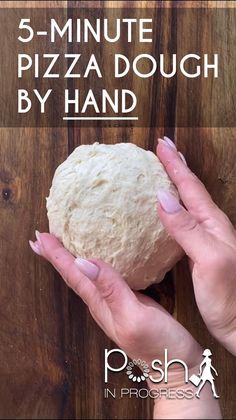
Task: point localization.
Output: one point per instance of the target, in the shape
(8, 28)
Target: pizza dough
(103, 204)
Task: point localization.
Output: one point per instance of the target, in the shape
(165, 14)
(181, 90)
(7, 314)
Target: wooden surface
(51, 351)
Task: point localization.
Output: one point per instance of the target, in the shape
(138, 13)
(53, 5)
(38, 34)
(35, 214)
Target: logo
(205, 374)
(158, 373)
(143, 366)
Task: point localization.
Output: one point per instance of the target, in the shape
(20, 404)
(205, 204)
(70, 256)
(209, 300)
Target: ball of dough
(103, 204)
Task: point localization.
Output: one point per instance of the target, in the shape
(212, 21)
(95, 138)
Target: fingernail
(170, 143)
(38, 237)
(35, 247)
(168, 202)
(183, 158)
(89, 269)
(167, 144)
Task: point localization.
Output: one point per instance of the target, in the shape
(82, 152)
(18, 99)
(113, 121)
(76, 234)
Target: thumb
(104, 282)
(108, 282)
(181, 225)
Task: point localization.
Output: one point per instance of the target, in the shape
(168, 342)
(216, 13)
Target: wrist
(178, 400)
(175, 396)
(173, 372)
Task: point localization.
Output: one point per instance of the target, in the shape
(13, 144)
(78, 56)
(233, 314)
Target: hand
(129, 319)
(208, 238)
(136, 323)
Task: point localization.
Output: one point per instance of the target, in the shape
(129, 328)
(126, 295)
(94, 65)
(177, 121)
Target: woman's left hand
(136, 323)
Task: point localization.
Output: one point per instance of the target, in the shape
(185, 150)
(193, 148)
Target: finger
(182, 226)
(192, 192)
(52, 250)
(109, 283)
(87, 277)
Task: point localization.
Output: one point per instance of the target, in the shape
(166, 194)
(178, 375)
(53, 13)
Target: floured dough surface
(103, 203)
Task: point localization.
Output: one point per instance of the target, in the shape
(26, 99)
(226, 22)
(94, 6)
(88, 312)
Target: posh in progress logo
(158, 373)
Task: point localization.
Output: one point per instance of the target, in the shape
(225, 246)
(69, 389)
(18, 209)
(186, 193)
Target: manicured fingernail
(37, 234)
(89, 269)
(168, 202)
(35, 247)
(170, 143)
(183, 158)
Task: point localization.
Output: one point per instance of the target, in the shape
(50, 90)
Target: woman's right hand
(208, 238)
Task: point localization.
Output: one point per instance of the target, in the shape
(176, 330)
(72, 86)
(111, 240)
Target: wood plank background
(51, 351)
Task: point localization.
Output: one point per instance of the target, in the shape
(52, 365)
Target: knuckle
(78, 288)
(109, 292)
(189, 225)
(185, 223)
(188, 180)
(66, 274)
(82, 291)
(56, 257)
(182, 173)
(110, 285)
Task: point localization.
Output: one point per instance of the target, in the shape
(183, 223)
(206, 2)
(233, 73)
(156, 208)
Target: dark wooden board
(51, 351)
